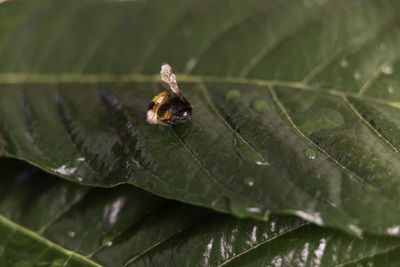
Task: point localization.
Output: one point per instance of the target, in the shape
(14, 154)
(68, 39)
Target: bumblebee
(169, 108)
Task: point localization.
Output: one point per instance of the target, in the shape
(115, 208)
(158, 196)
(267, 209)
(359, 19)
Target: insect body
(169, 108)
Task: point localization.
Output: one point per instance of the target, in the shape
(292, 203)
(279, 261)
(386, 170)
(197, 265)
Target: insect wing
(168, 76)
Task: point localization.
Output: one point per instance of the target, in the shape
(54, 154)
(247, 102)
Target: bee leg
(164, 123)
(160, 98)
(164, 118)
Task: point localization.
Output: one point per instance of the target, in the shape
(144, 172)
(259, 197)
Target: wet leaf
(46, 221)
(295, 102)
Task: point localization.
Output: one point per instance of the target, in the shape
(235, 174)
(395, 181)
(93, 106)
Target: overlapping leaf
(45, 220)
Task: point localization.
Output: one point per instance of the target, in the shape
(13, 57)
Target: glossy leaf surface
(296, 102)
(46, 221)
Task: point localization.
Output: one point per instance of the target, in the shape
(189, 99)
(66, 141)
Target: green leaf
(295, 102)
(45, 221)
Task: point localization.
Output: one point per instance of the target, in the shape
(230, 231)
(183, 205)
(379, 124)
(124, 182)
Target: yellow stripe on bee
(160, 98)
(165, 116)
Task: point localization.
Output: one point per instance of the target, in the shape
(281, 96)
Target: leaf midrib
(18, 228)
(256, 246)
(43, 78)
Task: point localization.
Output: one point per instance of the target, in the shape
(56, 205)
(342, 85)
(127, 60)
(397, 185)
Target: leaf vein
(370, 126)
(60, 33)
(80, 67)
(41, 78)
(62, 106)
(226, 27)
(61, 213)
(30, 16)
(266, 50)
(206, 94)
(149, 213)
(28, 119)
(213, 178)
(127, 151)
(183, 229)
(378, 73)
(18, 228)
(358, 43)
(301, 134)
(383, 252)
(264, 242)
(158, 41)
(10, 236)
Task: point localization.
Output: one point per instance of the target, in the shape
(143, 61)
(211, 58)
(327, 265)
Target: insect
(169, 108)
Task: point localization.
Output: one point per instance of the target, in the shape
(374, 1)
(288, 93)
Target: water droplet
(267, 214)
(355, 229)
(357, 75)
(232, 94)
(71, 233)
(248, 181)
(254, 210)
(314, 217)
(107, 241)
(64, 170)
(237, 207)
(390, 90)
(79, 179)
(317, 141)
(309, 153)
(344, 63)
(395, 230)
(242, 209)
(260, 106)
(387, 70)
(246, 152)
(222, 202)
